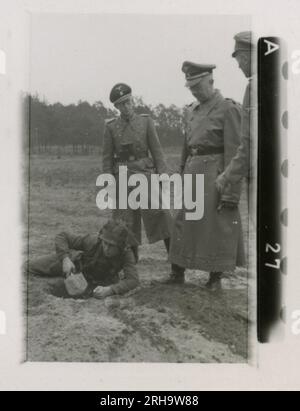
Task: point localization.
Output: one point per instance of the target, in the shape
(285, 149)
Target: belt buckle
(194, 151)
(131, 158)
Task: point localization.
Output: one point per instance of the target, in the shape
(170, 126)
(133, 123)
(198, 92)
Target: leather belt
(128, 159)
(203, 151)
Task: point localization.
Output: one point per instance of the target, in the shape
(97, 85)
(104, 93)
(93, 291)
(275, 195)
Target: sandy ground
(155, 323)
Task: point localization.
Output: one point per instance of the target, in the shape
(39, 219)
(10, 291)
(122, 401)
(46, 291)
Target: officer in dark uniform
(131, 140)
(214, 243)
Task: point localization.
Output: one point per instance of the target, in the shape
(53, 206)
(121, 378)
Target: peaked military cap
(119, 93)
(194, 72)
(243, 42)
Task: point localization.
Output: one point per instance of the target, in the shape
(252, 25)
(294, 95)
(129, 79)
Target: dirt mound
(156, 323)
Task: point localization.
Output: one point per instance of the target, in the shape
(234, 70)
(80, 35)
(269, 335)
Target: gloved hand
(227, 204)
(221, 183)
(102, 292)
(68, 266)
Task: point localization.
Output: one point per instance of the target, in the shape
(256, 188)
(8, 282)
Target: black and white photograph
(160, 95)
(149, 195)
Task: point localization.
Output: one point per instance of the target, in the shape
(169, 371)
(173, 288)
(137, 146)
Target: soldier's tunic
(215, 242)
(138, 132)
(86, 252)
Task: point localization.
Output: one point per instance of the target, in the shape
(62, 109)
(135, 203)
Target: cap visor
(108, 241)
(121, 99)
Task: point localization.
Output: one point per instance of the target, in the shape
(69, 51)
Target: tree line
(79, 128)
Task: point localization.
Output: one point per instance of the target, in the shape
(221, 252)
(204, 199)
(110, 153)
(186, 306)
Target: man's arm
(184, 154)
(239, 165)
(232, 135)
(65, 242)
(108, 152)
(156, 148)
(130, 278)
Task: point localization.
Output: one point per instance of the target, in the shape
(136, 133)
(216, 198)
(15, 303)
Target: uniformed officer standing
(214, 243)
(129, 140)
(243, 163)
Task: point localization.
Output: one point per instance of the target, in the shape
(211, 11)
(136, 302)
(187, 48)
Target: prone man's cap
(243, 42)
(115, 232)
(195, 72)
(119, 93)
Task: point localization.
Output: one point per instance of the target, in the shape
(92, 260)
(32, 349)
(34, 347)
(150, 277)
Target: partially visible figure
(243, 163)
(214, 243)
(106, 260)
(131, 140)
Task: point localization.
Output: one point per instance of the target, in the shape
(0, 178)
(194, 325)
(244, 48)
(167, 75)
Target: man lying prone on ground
(106, 263)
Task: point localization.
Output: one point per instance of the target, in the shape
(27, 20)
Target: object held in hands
(68, 266)
(76, 284)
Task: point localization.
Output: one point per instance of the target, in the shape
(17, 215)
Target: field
(156, 323)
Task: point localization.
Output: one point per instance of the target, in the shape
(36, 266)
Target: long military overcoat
(213, 243)
(138, 132)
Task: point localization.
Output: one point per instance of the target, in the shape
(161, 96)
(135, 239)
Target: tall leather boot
(176, 276)
(167, 244)
(214, 283)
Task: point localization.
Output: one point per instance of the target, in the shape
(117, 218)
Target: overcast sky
(80, 57)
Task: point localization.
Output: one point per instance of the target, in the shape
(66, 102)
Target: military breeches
(48, 265)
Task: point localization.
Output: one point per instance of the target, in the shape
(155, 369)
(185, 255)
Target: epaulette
(232, 101)
(109, 120)
(193, 105)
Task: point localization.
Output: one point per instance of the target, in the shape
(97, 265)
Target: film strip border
(272, 214)
(284, 169)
